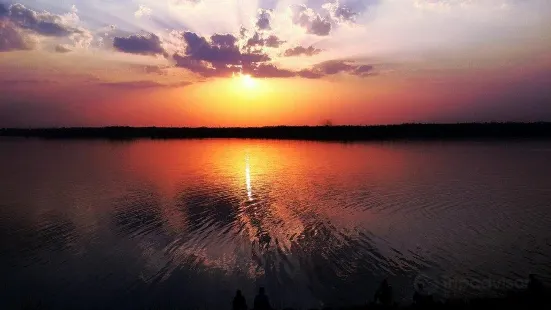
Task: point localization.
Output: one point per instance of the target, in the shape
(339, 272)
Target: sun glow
(247, 80)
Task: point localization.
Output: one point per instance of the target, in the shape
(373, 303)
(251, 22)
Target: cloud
(47, 24)
(223, 40)
(197, 66)
(299, 50)
(13, 38)
(44, 23)
(269, 71)
(142, 85)
(62, 48)
(3, 10)
(218, 52)
(219, 56)
(143, 11)
(363, 70)
(333, 67)
(142, 44)
(311, 21)
(340, 12)
(309, 74)
(258, 41)
(264, 19)
(273, 41)
(255, 40)
(153, 70)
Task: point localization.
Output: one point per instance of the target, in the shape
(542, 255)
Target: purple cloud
(219, 56)
(62, 48)
(3, 10)
(363, 70)
(306, 18)
(309, 74)
(142, 85)
(45, 23)
(257, 41)
(333, 67)
(273, 41)
(12, 38)
(148, 44)
(340, 12)
(299, 50)
(264, 19)
(28, 22)
(269, 71)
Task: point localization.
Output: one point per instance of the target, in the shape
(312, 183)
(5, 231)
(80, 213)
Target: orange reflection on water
(294, 182)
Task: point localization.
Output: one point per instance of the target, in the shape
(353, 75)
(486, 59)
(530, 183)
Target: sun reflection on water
(248, 178)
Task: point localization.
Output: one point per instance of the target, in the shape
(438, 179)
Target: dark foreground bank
(541, 130)
(534, 296)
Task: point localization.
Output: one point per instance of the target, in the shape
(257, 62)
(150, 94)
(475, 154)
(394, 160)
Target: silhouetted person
(261, 301)
(239, 302)
(384, 294)
(420, 297)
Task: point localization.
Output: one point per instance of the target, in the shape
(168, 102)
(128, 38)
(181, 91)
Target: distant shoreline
(462, 131)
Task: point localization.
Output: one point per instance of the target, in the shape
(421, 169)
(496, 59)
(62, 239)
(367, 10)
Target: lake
(184, 223)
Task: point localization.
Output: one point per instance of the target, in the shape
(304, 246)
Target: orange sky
(380, 63)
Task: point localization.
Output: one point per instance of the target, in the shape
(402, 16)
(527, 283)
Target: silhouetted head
(532, 277)
(385, 282)
(238, 293)
(420, 286)
(261, 291)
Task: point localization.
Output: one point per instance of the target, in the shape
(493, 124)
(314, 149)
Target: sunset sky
(273, 62)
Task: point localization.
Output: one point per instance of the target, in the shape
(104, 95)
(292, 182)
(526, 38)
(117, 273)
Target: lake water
(99, 224)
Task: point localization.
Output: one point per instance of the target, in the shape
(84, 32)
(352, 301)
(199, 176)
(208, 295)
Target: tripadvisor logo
(429, 282)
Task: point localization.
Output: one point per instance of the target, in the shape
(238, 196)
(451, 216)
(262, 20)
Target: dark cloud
(219, 56)
(62, 48)
(255, 40)
(340, 12)
(148, 44)
(337, 66)
(258, 41)
(299, 50)
(142, 85)
(333, 67)
(199, 48)
(45, 23)
(3, 10)
(264, 19)
(12, 38)
(269, 71)
(243, 32)
(313, 22)
(223, 40)
(153, 70)
(30, 22)
(309, 74)
(363, 70)
(319, 26)
(25, 83)
(273, 41)
(197, 66)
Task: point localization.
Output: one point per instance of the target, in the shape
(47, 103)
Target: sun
(247, 80)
